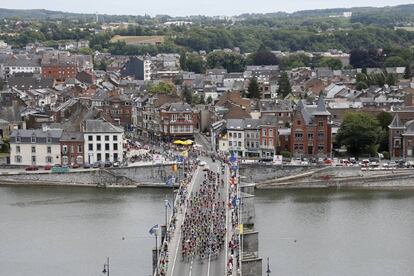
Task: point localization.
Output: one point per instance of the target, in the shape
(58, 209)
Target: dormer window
(18, 139)
(33, 140)
(48, 140)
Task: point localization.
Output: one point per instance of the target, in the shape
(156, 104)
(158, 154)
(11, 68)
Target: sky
(190, 7)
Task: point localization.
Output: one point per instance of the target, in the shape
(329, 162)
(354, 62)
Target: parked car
(108, 164)
(75, 166)
(202, 163)
(116, 164)
(97, 164)
(47, 167)
(32, 168)
(86, 165)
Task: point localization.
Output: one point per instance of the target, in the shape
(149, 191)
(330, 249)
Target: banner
(277, 160)
(157, 158)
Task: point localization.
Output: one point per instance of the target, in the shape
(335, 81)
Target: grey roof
(275, 106)
(72, 136)
(101, 126)
(51, 133)
(410, 128)
(30, 82)
(396, 122)
(251, 123)
(235, 124)
(321, 108)
(178, 107)
(268, 120)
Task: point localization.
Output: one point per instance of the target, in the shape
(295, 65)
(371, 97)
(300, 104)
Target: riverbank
(348, 177)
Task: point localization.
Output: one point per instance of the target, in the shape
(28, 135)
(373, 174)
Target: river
(70, 231)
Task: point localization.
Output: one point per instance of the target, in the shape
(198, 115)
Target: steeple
(321, 108)
(396, 122)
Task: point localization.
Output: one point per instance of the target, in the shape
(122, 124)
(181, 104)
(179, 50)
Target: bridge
(169, 259)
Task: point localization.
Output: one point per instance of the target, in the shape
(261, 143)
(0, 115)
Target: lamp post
(106, 267)
(268, 267)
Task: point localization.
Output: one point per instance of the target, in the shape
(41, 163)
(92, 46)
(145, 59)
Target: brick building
(178, 120)
(116, 107)
(311, 134)
(72, 148)
(58, 66)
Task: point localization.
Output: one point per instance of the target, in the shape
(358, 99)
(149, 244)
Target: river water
(70, 231)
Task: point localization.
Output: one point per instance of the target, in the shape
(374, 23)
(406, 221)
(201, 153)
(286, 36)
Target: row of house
(97, 141)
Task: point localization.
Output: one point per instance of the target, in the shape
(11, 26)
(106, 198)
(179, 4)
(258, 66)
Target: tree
(384, 119)
(391, 79)
(332, 63)
(264, 57)
(361, 85)
(162, 87)
(359, 132)
(395, 61)
(209, 99)
(407, 74)
(253, 89)
(195, 63)
(232, 62)
(362, 58)
(284, 85)
(187, 95)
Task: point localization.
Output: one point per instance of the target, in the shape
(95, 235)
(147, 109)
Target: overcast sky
(190, 7)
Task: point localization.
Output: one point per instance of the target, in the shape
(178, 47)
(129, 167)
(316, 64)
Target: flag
(167, 204)
(153, 229)
(241, 229)
(184, 154)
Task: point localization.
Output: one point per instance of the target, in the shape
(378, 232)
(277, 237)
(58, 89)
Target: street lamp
(106, 267)
(268, 267)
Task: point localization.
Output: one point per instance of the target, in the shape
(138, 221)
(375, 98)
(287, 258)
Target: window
(98, 146)
(72, 148)
(106, 156)
(239, 135)
(264, 132)
(90, 138)
(298, 122)
(230, 143)
(99, 157)
(230, 134)
(33, 159)
(90, 147)
(98, 137)
(18, 139)
(239, 144)
(106, 146)
(298, 135)
(320, 147)
(33, 149)
(115, 138)
(115, 146)
(115, 156)
(270, 142)
(270, 132)
(320, 123)
(65, 149)
(49, 159)
(18, 159)
(321, 135)
(33, 140)
(397, 143)
(48, 140)
(79, 148)
(17, 149)
(49, 149)
(310, 136)
(106, 137)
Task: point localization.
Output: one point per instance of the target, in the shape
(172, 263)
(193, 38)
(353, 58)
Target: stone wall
(251, 241)
(261, 172)
(252, 267)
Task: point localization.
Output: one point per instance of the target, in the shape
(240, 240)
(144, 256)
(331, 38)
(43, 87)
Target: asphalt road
(214, 266)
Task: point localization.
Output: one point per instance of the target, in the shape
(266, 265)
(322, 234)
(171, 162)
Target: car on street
(108, 164)
(75, 166)
(116, 164)
(47, 167)
(86, 165)
(202, 163)
(97, 165)
(32, 168)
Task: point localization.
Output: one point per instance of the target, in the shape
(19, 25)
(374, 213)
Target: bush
(386, 155)
(286, 154)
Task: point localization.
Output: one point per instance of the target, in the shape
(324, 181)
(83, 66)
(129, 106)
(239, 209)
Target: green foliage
(359, 132)
(253, 89)
(384, 119)
(187, 95)
(194, 63)
(162, 87)
(231, 61)
(209, 99)
(407, 74)
(395, 61)
(363, 58)
(263, 57)
(391, 79)
(284, 85)
(286, 154)
(295, 61)
(361, 85)
(332, 63)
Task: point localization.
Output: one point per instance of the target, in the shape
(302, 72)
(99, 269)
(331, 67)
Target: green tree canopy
(162, 87)
(253, 89)
(263, 57)
(395, 61)
(384, 119)
(333, 63)
(231, 61)
(284, 85)
(359, 132)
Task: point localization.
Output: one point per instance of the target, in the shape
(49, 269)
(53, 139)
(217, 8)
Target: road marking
(191, 267)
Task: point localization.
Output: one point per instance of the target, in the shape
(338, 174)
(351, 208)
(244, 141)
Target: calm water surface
(337, 232)
(71, 231)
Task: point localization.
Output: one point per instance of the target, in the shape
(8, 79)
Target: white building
(235, 136)
(103, 141)
(35, 147)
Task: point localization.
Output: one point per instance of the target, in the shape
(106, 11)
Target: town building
(103, 141)
(38, 147)
(311, 130)
(72, 148)
(178, 120)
